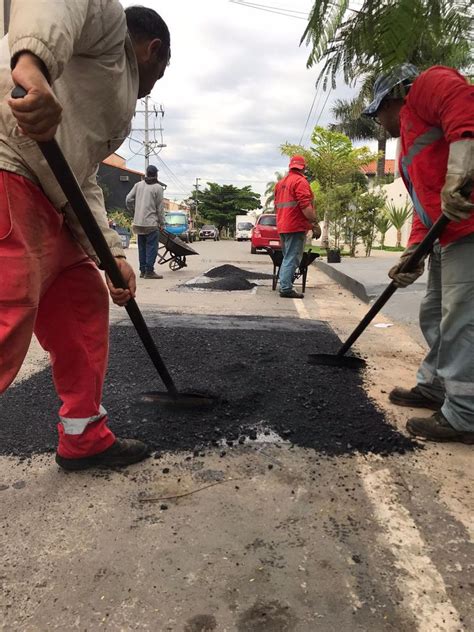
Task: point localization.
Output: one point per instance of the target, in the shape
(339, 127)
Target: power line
(285, 12)
(309, 113)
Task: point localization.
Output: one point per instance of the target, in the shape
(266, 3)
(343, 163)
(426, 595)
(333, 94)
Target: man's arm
(160, 215)
(305, 197)
(130, 199)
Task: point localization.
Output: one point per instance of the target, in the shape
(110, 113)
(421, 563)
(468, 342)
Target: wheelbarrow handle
(68, 183)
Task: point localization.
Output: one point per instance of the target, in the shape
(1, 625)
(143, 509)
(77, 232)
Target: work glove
(403, 279)
(316, 231)
(459, 175)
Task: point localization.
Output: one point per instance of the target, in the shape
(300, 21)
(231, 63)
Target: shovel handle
(419, 253)
(68, 183)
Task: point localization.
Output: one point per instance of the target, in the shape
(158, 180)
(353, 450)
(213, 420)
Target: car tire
(253, 250)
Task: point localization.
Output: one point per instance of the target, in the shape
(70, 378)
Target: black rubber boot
(291, 294)
(437, 428)
(413, 398)
(122, 452)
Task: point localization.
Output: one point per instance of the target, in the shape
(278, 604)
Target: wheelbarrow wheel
(177, 264)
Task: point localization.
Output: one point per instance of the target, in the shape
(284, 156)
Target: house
(370, 170)
(117, 180)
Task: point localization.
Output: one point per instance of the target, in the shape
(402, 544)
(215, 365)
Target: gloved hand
(459, 175)
(402, 279)
(316, 231)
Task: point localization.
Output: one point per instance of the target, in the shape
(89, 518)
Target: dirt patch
(261, 375)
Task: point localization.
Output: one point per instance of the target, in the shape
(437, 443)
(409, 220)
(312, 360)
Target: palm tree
(382, 223)
(381, 34)
(351, 122)
(398, 215)
(270, 189)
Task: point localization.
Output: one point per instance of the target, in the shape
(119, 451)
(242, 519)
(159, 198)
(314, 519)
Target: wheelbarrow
(301, 271)
(173, 251)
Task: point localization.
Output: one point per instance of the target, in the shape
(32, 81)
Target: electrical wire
(284, 12)
(309, 114)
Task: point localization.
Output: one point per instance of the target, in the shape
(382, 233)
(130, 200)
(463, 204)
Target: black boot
(413, 398)
(291, 294)
(437, 428)
(122, 452)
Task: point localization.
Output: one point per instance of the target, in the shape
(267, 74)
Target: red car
(264, 233)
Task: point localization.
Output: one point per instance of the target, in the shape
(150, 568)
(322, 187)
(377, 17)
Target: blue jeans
(148, 250)
(292, 245)
(447, 322)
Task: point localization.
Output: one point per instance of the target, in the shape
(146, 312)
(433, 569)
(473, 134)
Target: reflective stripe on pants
(447, 322)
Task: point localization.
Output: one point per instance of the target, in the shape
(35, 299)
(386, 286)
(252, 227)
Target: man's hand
(459, 181)
(316, 231)
(403, 279)
(39, 113)
(121, 297)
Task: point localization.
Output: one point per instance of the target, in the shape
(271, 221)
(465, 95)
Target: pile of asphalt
(228, 270)
(227, 284)
(260, 374)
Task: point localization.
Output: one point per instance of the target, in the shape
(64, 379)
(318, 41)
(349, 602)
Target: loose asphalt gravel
(261, 376)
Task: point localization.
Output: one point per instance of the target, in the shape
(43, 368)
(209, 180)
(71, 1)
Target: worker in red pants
(49, 280)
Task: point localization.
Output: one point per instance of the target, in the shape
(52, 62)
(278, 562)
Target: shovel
(68, 183)
(352, 362)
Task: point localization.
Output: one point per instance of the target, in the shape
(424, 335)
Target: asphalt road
(259, 536)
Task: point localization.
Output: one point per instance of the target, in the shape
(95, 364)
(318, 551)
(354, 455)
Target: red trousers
(50, 287)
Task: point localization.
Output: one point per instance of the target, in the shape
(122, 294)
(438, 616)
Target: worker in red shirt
(295, 217)
(433, 114)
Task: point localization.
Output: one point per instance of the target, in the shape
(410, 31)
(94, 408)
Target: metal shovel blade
(343, 361)
(180, 401)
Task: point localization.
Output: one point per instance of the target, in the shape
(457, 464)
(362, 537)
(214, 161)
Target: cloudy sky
(236, 89)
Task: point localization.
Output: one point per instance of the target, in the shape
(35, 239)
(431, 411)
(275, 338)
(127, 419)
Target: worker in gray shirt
(145, 200)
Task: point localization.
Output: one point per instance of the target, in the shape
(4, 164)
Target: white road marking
(422, 588)
(301, 309)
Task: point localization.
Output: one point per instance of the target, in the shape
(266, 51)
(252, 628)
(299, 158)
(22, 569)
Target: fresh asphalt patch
(258, 370)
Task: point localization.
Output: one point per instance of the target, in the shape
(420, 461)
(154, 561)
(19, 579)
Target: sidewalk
(367, 277)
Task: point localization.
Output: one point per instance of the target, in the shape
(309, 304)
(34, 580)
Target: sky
(236, 89)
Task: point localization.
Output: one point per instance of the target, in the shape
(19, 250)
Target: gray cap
(385, 84)
(151, 171)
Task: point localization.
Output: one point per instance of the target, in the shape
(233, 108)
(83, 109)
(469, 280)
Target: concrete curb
(343, 279)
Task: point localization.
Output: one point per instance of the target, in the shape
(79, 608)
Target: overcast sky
(236, 89)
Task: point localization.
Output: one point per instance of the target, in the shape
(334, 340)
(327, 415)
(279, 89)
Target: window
(267, 220)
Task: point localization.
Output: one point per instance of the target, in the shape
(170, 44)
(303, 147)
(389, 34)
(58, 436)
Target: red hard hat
(297, 162)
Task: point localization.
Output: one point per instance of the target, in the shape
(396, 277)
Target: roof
(118, 162)
(371, 168)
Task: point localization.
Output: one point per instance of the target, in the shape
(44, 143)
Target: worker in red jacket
(295, 217)
(433, 114)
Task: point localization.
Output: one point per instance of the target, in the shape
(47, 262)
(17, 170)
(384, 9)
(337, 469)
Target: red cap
(297, 162)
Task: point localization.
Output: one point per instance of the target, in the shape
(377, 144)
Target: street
(257, 536)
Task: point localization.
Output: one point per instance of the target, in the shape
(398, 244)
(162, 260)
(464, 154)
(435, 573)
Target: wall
(397, 194)
(117, 190)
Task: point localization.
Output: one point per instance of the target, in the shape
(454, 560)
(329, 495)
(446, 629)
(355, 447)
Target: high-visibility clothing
(50, 287)
(292, 195)
(438, 111)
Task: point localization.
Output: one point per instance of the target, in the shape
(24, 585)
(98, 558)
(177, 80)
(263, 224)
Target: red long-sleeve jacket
(438, 111)
(292, 195)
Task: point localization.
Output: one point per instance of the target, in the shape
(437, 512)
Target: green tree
(398, 215)
(383, 225)
(270, 189)
(220, 204)
(349, 121)
(380, 34)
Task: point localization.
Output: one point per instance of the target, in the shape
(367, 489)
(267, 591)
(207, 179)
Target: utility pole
(196, 187)
(148, 146)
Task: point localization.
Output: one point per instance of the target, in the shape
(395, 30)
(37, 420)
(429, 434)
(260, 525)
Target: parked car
(264, 233)
(208, 231)
(178, 223)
